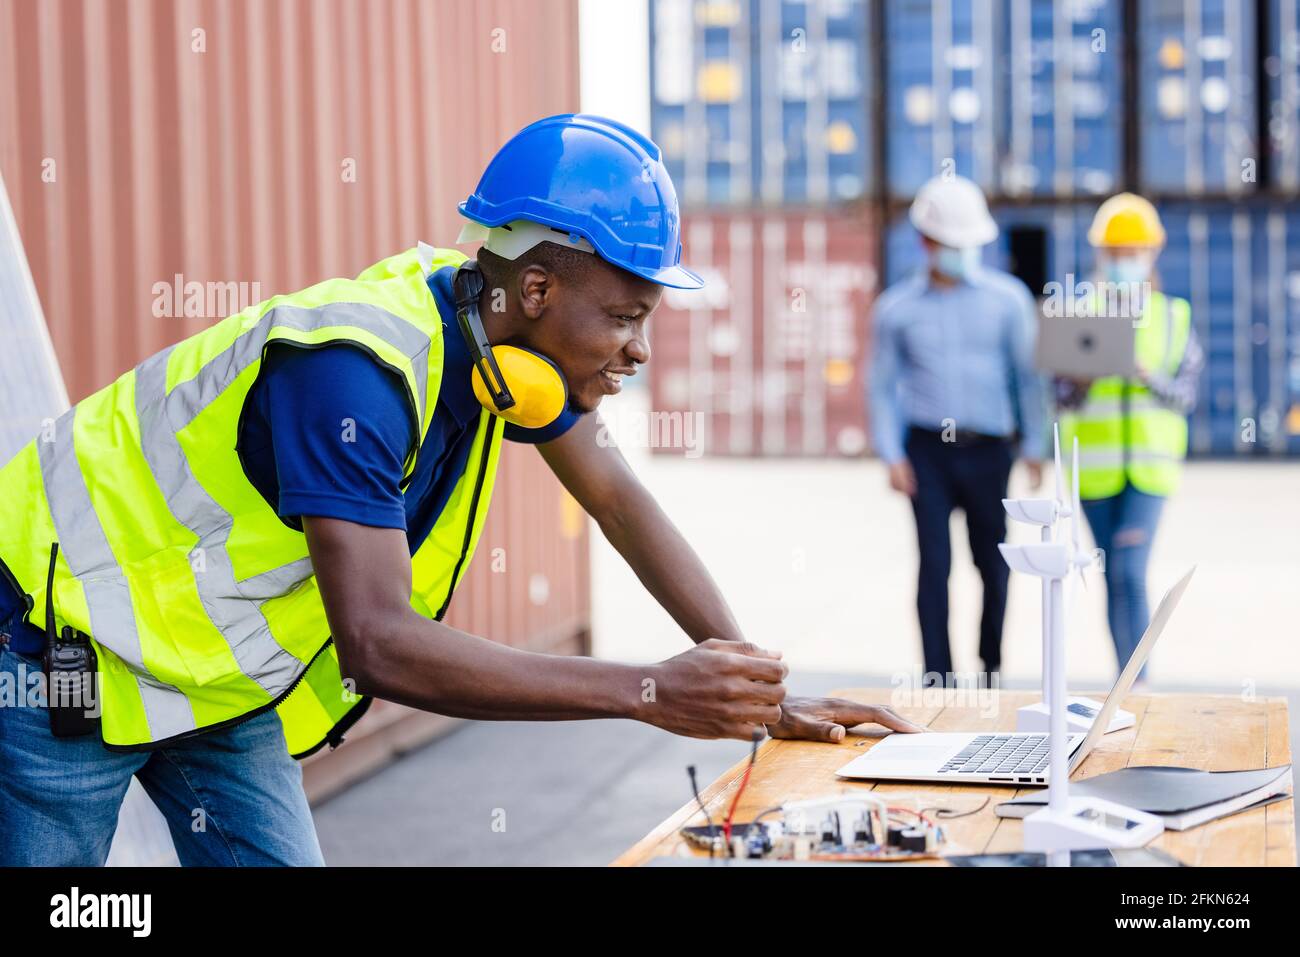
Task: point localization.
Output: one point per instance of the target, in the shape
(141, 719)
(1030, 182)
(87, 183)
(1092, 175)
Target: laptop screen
(1126, 677)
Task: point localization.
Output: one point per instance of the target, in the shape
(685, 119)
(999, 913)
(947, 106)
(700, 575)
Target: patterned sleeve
(1179, 390)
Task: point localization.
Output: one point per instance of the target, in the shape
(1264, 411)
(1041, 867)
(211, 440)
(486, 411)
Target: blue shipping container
(812, 83)
(1239, 266)
(701, 98)
(1275, 330)
(762, 101)
(940, 93)
(1282, 69)
(1197, 97)
(1064, 98)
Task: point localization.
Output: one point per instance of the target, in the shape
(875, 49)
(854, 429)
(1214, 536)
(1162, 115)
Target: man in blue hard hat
(251, 534)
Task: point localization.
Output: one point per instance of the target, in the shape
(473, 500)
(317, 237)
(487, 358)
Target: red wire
(726, 825)
(907, 810)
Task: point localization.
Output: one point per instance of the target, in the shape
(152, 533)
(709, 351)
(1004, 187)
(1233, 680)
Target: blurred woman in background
(1132, 431)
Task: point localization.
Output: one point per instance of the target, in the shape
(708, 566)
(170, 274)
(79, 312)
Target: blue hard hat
(592, 177)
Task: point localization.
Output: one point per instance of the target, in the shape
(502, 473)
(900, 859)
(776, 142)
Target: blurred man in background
(1132, 432)
(953, 393)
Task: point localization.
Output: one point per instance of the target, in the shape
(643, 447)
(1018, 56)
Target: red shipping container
(768, 357)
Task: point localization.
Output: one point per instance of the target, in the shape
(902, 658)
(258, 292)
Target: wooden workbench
(1212, 732)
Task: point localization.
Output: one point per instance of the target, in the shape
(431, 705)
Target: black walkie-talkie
(71, 681)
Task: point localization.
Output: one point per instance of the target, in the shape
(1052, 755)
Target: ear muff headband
(523, 387)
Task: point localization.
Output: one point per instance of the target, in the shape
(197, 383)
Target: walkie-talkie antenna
(50, 635)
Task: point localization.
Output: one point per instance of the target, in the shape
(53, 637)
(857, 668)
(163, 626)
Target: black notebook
(1182, 797)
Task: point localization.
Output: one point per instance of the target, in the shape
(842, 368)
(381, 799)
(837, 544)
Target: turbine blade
(1077, 507)
(1056, 462)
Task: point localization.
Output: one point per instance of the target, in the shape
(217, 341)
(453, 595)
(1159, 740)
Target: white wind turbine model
(1044, 513)
(1079, 823)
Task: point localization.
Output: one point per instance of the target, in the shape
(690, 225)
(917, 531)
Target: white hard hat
(952, 211)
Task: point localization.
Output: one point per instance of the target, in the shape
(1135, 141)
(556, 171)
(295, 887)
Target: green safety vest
(1125, 433)
(200, 603)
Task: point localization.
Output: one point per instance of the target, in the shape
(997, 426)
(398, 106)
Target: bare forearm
(433, 667)
(670, 570)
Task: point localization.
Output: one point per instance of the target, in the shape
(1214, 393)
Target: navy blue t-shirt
(327, 431)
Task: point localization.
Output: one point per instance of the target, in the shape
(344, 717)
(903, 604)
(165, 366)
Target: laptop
(1086, 346)
(1002, 757)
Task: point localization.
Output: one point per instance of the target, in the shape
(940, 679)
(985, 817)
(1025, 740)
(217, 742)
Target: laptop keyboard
(1001, 754)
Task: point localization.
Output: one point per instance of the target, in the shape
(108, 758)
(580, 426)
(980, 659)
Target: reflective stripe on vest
(1125, 433)
(201, 603)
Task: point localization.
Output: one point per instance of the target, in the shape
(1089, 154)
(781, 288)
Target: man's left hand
(1035, 468)
(828, 719)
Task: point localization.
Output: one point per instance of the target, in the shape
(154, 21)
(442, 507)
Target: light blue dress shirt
(960, 355)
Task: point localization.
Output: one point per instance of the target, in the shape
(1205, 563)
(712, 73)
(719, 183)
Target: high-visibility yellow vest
(200, 602)
(1125, 433)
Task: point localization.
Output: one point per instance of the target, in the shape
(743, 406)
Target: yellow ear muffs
(536, 383)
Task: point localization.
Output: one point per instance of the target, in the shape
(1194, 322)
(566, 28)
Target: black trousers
(970, 475)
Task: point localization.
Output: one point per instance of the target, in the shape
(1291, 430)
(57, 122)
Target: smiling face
(586, 316)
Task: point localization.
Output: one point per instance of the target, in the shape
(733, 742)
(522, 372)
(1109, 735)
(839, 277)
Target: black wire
(749, 828)
(690, 769)
(713, 829)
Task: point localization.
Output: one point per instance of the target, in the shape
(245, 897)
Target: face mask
(1128, 269)
(957, 263)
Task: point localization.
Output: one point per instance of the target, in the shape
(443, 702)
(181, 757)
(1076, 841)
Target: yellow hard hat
(1127, 219)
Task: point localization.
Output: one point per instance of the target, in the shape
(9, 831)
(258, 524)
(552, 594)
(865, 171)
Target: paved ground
(568, 793)
(818, 560)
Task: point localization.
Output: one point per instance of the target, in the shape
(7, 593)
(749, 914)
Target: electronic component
(841, 827)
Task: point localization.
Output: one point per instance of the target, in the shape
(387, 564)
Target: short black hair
(573, 264)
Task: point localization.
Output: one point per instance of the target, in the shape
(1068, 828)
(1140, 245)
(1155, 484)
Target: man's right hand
(902, 478)
(718, 689)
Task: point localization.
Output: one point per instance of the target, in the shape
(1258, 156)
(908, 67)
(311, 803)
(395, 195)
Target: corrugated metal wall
(278, 144)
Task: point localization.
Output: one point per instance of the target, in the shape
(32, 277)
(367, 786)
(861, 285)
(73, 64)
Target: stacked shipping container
(1050, 107)
(1019, 95)
(762, 106)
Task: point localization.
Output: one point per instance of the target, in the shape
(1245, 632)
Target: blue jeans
(231, 796)
(1124, 526)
